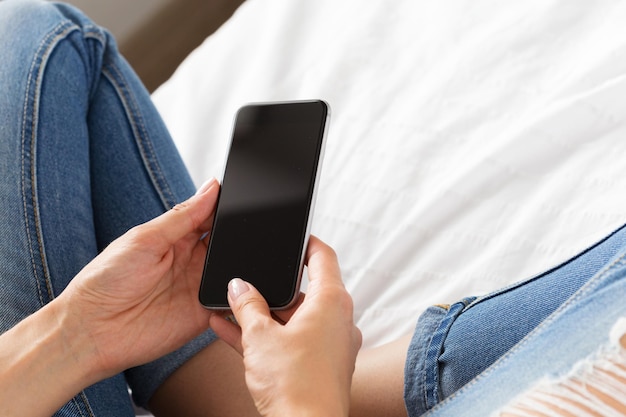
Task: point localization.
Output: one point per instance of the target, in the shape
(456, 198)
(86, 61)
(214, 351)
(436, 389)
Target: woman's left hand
(138, 300)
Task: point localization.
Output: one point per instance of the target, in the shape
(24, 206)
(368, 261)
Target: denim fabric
(436, 349)
(415, 389)
(491, 326)
(576, 331)
(84, 157)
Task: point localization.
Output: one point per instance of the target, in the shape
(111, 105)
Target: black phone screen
(262, 219)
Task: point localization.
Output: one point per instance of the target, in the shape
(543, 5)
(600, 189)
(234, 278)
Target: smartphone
(261, 225)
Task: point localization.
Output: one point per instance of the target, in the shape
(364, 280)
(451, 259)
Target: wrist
(47, 358)
(304, 401)
(321, 408)
(75, 343)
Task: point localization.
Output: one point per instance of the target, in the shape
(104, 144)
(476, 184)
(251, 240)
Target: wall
(156, 35)
(121, 17)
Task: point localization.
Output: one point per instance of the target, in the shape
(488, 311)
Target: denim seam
(93, 32)
(435, 347)
(29, 170)
(29, 167)
(144, 145)
(425, 374)
(593, 283)
(77, 405)
(414, 392)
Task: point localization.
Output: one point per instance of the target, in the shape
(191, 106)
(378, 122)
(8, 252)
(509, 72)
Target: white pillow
(472, 143)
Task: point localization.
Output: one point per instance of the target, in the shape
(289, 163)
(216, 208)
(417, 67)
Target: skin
(378, 383)
(303, 367)
(376, 388)
(138, 301)
(132, 304)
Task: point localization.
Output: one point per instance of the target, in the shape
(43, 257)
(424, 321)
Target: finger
(188, 216)
(322, 263)
(228, 331)
(248, 306)
(284, 315)
(357, 338)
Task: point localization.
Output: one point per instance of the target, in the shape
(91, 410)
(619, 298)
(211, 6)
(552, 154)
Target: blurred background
(156, 35)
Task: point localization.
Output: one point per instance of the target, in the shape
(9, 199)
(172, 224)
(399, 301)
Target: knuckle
(338, 296)
(248, 308)
(138, 235)
(328, 252)
(187, 214)
(331, 253)
(181, 206)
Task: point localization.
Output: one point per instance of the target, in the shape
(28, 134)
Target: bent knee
(29, 20)
(17, 15)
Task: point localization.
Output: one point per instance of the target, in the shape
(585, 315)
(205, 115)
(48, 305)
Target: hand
(305, 366)
(138, 300)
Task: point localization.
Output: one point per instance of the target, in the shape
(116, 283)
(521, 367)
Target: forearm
(43, 365)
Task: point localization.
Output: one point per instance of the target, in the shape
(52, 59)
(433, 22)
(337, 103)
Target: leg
(83, 157)
(378, 381)
(596, 385)
(451, 347)
(576, 331)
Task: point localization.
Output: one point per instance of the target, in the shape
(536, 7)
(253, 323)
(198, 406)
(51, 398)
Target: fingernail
(205, 187)
(236, 287)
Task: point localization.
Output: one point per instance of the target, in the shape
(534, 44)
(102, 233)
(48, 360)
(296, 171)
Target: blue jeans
(84, 156)
(473, 357)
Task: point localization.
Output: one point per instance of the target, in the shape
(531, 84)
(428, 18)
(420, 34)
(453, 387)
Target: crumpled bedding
(473, 143)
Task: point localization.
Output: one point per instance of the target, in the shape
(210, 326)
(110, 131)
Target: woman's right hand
(303, 366)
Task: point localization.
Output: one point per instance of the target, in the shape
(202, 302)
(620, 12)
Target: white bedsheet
(473, 143)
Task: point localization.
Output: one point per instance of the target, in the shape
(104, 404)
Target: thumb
(186, 217)
(249, 308)
(246, 302)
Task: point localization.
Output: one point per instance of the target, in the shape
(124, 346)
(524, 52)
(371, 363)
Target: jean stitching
(145, 146)
(95, 33)
(592, 284)
(425, 384)
(435, 347)
(415, 392)
(29, 166)
(86, 403)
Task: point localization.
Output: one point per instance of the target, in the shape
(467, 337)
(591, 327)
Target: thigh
(84, 156)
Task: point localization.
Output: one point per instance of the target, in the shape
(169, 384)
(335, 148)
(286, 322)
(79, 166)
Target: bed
(473, 143)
